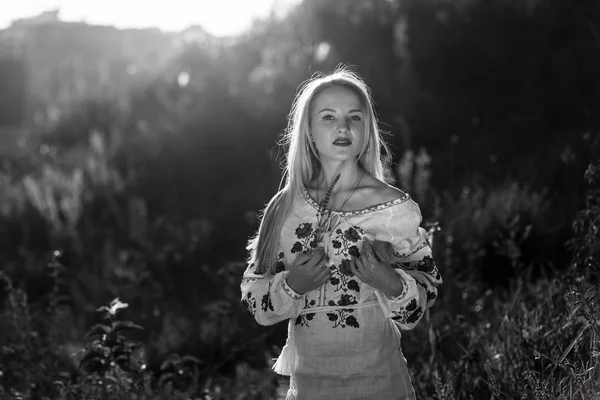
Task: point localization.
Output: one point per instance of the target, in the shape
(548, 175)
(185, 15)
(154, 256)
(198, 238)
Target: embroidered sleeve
(268, 297)
(410, 256)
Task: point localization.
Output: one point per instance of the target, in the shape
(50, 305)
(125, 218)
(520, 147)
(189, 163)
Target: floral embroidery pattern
(403, 265)
(343, 318)
(404, 255)
(408, 314)
(309, 304)
(304, 319)
(345, 241)
(307, 238)
(279, 265)
(340, 278)
(431, 296)
(426, 265)
(250, 303)
(266, 303)
(345, 300)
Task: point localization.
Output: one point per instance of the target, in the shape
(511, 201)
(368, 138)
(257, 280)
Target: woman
(340, 253)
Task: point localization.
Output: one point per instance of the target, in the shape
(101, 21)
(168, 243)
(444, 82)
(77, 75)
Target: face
(337, 123)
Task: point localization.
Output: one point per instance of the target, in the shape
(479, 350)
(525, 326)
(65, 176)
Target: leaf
(9, 350)
(119, 326)
(126, 366)
(103, 309)
(121, 360)
(353, 285)
(99, 329)
(62, 299)
(172, 361)
(192, 359)
(412, 305)
(351, 321)
(90, 359)
(120, 350)
(166, 378)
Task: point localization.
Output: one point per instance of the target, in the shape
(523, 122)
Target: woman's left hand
(371, 268)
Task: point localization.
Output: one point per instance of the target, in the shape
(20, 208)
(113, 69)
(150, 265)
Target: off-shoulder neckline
(373, 208)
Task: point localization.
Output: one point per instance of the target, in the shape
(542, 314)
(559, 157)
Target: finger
(314, 259)
(354, 268)
(322, 268)
(302, 258)
(365, 259)
(324, 273)
(323, 276)
(378, 252)
(364, 268)
(358, 263)
(367, 250)
(319, 257)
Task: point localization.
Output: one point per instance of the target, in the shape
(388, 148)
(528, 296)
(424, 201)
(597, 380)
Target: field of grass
(538, 337)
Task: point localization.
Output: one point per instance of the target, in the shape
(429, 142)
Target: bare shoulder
(379, 192)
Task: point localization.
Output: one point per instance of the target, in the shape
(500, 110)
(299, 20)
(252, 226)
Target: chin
(343, 157)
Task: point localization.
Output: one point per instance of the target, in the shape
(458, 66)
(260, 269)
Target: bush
(538, 340)
(495, 234)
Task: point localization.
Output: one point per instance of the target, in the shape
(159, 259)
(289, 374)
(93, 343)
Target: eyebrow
(331, 110)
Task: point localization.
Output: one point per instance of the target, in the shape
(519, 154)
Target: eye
(356, 118)
(328, 117)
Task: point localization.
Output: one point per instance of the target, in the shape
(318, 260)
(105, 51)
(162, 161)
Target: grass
(537, 338)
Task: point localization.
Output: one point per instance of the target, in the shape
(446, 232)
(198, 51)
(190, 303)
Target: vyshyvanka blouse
(344, 337)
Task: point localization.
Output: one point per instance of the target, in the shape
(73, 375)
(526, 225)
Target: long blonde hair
(302, 163)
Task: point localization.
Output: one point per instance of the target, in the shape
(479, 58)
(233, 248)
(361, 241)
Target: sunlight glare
(183, 78)
(220, 18)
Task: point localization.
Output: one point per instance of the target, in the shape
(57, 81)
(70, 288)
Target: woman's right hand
(308, 272)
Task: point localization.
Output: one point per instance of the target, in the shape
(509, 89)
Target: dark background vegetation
(144, 157)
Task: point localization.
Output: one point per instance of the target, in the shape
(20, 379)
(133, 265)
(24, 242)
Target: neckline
(362, 173)
(376, 207)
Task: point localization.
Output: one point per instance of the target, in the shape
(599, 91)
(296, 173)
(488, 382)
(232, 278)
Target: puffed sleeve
(410, 256)
(268, 297)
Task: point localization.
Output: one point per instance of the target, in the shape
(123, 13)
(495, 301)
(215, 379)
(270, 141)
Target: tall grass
(539, 338)
(179, 331)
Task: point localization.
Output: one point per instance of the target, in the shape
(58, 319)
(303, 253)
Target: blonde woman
(339, 253)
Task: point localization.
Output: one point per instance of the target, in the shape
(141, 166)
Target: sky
(218, 17)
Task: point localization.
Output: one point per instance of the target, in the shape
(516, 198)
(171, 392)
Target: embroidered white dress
(344, 337)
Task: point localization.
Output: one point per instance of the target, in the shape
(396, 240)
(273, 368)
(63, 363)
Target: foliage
(150, 187)
(537, 340)
(36, 361)
(586, 243)
(501, 232)
(111, 348)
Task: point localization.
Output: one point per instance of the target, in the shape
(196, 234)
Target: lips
(342, 142)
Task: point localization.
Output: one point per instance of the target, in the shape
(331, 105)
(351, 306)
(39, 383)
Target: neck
(349, 175)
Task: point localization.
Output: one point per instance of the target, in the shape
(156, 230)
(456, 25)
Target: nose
(343, 127)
